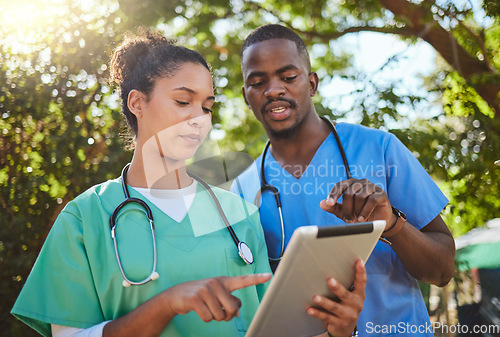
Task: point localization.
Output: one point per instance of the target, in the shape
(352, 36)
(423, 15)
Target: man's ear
(313, 83)
(245, 96)
(135, 102)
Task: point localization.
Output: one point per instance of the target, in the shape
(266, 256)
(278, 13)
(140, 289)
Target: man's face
(278, 85)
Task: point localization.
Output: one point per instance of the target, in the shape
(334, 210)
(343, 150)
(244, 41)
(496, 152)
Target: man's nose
(275, 89)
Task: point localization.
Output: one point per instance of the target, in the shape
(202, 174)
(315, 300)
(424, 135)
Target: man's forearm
(428, 255)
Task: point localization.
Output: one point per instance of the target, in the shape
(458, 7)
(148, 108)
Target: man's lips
(279, 109)
(279, 113)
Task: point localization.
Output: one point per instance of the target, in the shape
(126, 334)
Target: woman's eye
(207, 110)
(181, 102)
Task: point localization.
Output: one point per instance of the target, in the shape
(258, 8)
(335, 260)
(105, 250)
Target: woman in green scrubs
(204, 288)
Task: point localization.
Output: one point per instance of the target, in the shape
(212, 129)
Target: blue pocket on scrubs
(248, 296)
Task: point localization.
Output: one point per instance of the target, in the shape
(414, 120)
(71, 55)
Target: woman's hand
(211, 298)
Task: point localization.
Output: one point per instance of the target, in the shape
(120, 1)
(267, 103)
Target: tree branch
(419, 23)
(419, 20)
(326, 37)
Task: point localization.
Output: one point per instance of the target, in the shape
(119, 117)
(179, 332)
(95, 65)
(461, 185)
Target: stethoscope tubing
(244, 250)
(154, 274)
(265, 186)
(239, 244)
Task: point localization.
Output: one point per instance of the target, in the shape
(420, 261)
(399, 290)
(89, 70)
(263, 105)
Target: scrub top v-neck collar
(287, 174)
(171, 201)
(158, 214)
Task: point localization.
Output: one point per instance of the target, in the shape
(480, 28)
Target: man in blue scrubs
(304, 163)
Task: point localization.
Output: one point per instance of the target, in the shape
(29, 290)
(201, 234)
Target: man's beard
(284, 133)
(287, 133)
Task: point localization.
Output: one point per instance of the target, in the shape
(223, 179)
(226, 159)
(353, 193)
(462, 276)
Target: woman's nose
(200, 121)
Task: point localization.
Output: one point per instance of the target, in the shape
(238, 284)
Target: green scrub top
(76, 280)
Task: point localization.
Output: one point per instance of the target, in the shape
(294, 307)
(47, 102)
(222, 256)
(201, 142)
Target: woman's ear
(135, 102)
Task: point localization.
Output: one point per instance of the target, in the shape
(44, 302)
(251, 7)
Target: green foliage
(58, 136)
(492, 7)
(461, 153)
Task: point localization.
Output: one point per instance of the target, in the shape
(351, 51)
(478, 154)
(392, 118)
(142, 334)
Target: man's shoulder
(357, 130)
(360, 135)
(251, 173)
(247, 184)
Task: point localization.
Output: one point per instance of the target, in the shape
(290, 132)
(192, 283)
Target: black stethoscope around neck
(264, 186)
(243, 249)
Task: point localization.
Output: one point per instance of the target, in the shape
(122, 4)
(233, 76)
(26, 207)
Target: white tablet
(313, 254)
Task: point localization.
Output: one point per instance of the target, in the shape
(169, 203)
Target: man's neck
(296, 152)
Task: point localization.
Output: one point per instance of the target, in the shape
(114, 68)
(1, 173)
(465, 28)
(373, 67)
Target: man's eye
(289, 78)
(255, 84)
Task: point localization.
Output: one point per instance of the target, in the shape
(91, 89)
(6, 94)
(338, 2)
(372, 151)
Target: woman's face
(177, 117)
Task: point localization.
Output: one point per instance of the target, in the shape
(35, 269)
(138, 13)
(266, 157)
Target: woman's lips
(192, 139)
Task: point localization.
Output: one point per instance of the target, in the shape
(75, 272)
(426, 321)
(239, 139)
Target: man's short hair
(269, 32)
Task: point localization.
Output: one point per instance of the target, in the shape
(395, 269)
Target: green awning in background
(486, 255)
(480, 248)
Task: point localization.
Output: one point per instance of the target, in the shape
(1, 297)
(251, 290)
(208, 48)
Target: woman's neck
(156, 172)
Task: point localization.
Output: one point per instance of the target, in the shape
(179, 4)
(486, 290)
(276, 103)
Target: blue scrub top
(393, 304)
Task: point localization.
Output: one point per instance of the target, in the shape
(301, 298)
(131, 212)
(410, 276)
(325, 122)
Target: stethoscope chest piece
(243, 249)
(245, 252)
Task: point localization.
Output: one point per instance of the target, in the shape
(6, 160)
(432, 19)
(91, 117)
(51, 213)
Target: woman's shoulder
(103, 195)
(228, 196)
(233, 204)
